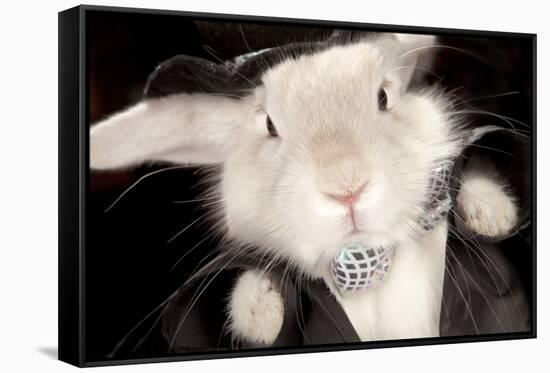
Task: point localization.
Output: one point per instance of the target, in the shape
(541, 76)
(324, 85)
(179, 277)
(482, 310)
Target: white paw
(256, 309)
(485, 207)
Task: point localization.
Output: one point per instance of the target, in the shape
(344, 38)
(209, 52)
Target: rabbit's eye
(382, 100)
(271, 128)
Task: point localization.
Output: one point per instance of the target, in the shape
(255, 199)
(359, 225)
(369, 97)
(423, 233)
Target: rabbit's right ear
(414, 54)
(182, 128)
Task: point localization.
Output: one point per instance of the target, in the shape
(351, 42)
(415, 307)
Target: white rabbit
(331, 147)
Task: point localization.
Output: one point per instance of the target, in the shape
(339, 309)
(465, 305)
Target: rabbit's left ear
(181, 128)
(413, 56)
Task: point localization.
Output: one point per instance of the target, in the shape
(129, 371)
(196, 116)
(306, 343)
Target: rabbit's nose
(350, 196)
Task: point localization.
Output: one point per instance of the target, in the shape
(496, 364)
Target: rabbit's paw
(485, 206)
(256, 309)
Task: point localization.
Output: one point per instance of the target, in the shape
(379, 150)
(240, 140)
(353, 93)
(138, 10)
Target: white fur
(484, 204)
(256, 309)
(276, 190)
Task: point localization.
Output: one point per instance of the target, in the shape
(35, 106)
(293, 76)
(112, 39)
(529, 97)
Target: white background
(28, 185)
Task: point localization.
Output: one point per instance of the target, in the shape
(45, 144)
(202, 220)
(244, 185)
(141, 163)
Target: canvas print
(259, 185)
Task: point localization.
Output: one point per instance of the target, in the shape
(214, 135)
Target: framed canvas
(233, 186)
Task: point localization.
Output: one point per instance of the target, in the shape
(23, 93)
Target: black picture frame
(74, 186)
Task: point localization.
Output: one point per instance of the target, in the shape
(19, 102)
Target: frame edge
(69, 215)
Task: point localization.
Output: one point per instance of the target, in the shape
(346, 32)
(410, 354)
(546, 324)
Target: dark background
(128, 260)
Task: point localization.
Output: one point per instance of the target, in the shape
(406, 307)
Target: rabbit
(331, 147)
